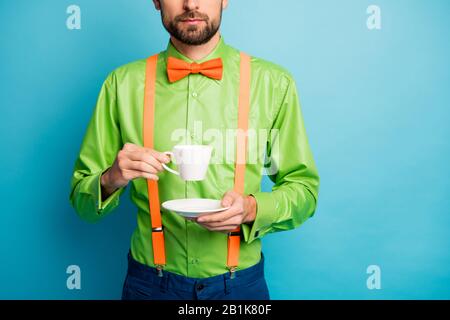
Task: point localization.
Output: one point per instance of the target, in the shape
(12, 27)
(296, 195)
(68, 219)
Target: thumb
(227, 200)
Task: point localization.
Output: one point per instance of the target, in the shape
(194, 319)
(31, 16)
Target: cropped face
(193, 22)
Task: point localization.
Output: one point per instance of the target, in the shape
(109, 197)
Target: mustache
(191, 15)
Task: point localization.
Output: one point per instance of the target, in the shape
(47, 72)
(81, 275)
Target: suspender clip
(232, 272)
(160, 270)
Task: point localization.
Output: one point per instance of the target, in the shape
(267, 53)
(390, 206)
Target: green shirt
(200, 110)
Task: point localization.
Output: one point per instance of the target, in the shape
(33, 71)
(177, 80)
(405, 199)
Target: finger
(155, 163)
(146, 157)
(227, 228)
(160, 156)
(134, 174)
(130, 147)
(140, 166)
(228, 199)
(217, 217)
(235, 220)
(221, 216)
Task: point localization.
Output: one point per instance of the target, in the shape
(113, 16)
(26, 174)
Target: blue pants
(142, 283)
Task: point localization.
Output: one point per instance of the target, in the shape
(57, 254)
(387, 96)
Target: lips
(192, 21)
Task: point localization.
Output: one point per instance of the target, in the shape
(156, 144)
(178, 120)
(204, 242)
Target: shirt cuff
(93, 187)
(265, 216)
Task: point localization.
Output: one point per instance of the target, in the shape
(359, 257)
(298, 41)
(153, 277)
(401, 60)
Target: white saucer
(193, 207)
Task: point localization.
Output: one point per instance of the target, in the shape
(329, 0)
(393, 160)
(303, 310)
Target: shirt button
(194, 94)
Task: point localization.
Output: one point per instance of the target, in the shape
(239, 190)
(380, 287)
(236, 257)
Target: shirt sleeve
(101, 143)
(293, 198)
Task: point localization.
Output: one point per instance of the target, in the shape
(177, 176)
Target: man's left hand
(242, 210)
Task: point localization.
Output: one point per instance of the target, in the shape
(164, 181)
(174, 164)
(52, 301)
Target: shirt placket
(192, 104)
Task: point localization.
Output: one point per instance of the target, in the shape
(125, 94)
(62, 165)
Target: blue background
(376, 107)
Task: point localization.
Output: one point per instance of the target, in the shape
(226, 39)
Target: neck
(196, 52)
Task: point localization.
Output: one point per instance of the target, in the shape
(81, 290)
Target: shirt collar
(217, 52)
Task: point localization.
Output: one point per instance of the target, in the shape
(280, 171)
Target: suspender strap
(159, 256)
(241, 149)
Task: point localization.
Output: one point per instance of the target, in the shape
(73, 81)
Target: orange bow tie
(178, 69)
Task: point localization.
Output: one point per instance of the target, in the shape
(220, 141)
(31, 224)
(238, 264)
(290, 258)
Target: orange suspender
(159, 256)
(234, 238)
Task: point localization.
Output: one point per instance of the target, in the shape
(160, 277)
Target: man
(198, 81)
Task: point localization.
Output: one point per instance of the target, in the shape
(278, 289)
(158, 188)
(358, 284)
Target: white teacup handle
(166, 167)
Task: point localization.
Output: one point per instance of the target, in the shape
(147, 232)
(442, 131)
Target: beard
(195, 34)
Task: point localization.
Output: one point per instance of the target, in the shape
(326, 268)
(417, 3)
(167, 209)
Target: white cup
(192, 161)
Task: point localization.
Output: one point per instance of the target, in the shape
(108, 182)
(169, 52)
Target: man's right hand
(132, 162)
